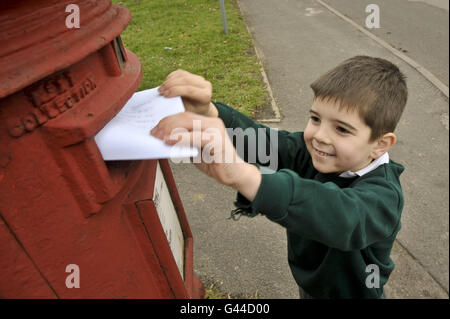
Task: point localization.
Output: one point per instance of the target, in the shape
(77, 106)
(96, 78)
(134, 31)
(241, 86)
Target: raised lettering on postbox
(50, 98)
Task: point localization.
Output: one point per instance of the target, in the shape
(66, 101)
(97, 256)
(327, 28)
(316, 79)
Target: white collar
(383, 159)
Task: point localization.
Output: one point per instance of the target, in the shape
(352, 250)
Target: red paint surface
(60, 203)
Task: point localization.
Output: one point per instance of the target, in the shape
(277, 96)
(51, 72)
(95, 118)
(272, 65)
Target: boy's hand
(194, 90)
(217, 155)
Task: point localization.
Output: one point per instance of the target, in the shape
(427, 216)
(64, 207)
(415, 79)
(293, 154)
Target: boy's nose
(321, 136)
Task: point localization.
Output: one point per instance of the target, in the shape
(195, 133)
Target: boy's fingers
(190, 79)
(169, 123)
(183, 137)
(198, 139)
(186, 122)
(184, 78)
(202, 95)
(176, 73)
(181, 73)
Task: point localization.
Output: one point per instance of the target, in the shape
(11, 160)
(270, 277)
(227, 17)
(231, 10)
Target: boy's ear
(383, 144)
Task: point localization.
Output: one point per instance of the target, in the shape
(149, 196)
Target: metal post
(224, 17)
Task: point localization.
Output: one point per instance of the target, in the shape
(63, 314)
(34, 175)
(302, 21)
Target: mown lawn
(188, 34)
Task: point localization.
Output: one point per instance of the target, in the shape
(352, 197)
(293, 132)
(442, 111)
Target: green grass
(188, 34)
(213, 293)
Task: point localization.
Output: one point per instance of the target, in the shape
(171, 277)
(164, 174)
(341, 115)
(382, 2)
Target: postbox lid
(37, 41)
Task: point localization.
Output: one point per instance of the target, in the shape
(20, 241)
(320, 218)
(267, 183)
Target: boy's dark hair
(372, 86)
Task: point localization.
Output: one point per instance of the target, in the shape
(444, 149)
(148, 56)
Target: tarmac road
(297, 42)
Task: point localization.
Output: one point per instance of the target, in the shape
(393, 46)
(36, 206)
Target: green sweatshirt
(340, 231)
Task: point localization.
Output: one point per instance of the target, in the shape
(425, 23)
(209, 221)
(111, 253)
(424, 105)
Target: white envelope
(127, 135)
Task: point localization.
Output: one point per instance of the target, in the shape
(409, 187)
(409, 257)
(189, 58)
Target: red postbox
(71, 224)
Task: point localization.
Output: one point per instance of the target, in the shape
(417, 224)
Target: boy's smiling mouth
(322, 154)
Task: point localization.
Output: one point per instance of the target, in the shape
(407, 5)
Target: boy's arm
(343, 218)
(217, 157)
(249, 181)
(281, 147)
(263, 145)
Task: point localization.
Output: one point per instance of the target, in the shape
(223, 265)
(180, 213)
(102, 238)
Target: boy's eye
(315, 119)
(342, 130)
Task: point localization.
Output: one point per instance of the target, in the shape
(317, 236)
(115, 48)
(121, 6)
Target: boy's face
(337, 140)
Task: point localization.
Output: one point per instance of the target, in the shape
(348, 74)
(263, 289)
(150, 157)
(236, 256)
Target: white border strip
(422, 70)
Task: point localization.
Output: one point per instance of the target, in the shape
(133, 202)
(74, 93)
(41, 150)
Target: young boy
(336, 191)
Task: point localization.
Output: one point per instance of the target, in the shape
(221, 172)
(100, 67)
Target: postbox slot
(120, 52)
(118, 170)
